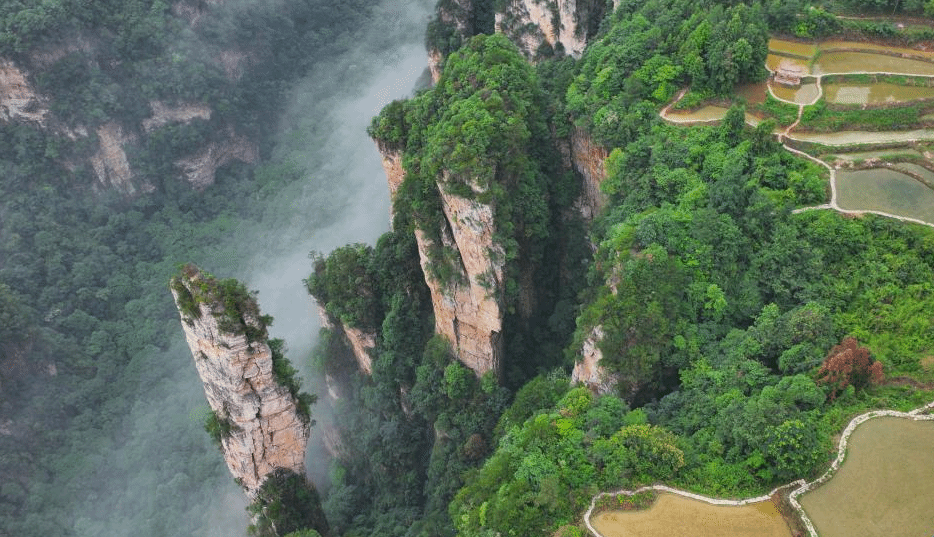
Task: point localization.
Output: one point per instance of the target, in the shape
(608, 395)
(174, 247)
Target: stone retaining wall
(925, 412)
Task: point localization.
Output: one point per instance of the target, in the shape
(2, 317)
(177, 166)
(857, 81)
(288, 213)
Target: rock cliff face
(588, 371)
(392, 165)
(266, 430)
(18, 100)
(588, 159)
(110, 162)
(468, 308)
(532, 23)
(199, 169)
(361, 343)
(457, 17)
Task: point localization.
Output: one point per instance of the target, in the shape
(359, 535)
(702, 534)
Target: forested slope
(740, 334)
(87, 333)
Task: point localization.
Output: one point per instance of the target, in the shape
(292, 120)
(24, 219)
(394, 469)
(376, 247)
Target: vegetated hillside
(87, 325)
(720, 309)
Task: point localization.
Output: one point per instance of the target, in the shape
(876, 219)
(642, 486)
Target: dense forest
(101, 414)
(726, 316)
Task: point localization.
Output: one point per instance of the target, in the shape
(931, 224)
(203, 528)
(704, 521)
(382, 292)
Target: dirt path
(786, 134)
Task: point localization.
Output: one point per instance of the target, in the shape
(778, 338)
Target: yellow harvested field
(676, 516)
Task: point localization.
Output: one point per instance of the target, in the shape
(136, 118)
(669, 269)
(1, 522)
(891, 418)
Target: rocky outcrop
(392, 165)
(588, 371)
(588, 160)
(110, 163)
(18, 100)
(435, 59)
(453, 19)
(361, 342)
(468, 306)
(163, 114)
(199, 169)
(266, 429)
(533, 23)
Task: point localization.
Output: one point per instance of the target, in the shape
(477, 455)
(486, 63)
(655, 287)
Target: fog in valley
(341, 198)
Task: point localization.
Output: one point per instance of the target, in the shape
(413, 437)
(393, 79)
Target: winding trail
(925, 412)
(918, 135)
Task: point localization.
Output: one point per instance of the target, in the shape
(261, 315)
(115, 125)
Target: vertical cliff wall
(588, 159)
(227, 338)
(564, 24)
(588, 371)
(468, 305)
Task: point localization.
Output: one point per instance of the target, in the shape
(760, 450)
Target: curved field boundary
(786, 134)
(917, 414)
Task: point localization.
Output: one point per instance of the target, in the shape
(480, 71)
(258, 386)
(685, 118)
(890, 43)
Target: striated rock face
(588, 159)
(163, 114)
(392, 165)
(361, 343)
(267, 432)
(468, 309)
(110, 163)
(532, 23)
(18, 100)
(435, 58)
(457, 16)
(588, 370)
(199, 169)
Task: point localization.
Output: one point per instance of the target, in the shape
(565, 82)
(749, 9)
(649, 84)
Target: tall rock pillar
(263, 424)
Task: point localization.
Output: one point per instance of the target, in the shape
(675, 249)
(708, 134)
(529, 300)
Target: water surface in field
(804, 94)
(885, 488)
(782, 46)
(926, 175)
(860, 62)
(676, 516)
(851, 45)
(772, 61)
(707, 113)
(889, 191)
(842, 138)
(752, 93)
(874, 93)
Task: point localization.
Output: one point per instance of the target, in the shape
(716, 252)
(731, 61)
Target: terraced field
(864, 74)
(676, 516)
(886, 486)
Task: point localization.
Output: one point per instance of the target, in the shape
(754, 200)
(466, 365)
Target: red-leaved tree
(849, 364)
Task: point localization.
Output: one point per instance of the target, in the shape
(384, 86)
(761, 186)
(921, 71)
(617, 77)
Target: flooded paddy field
(804, 94)
(885, 488)
(677, 516)
(874, 93)
(752, 93)
(772, 61)
(853, 45)
(856, 62)
(707, 113)
(793, 48)
(879, 153)
(889, 191)
(926, 175)
(842, 138)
